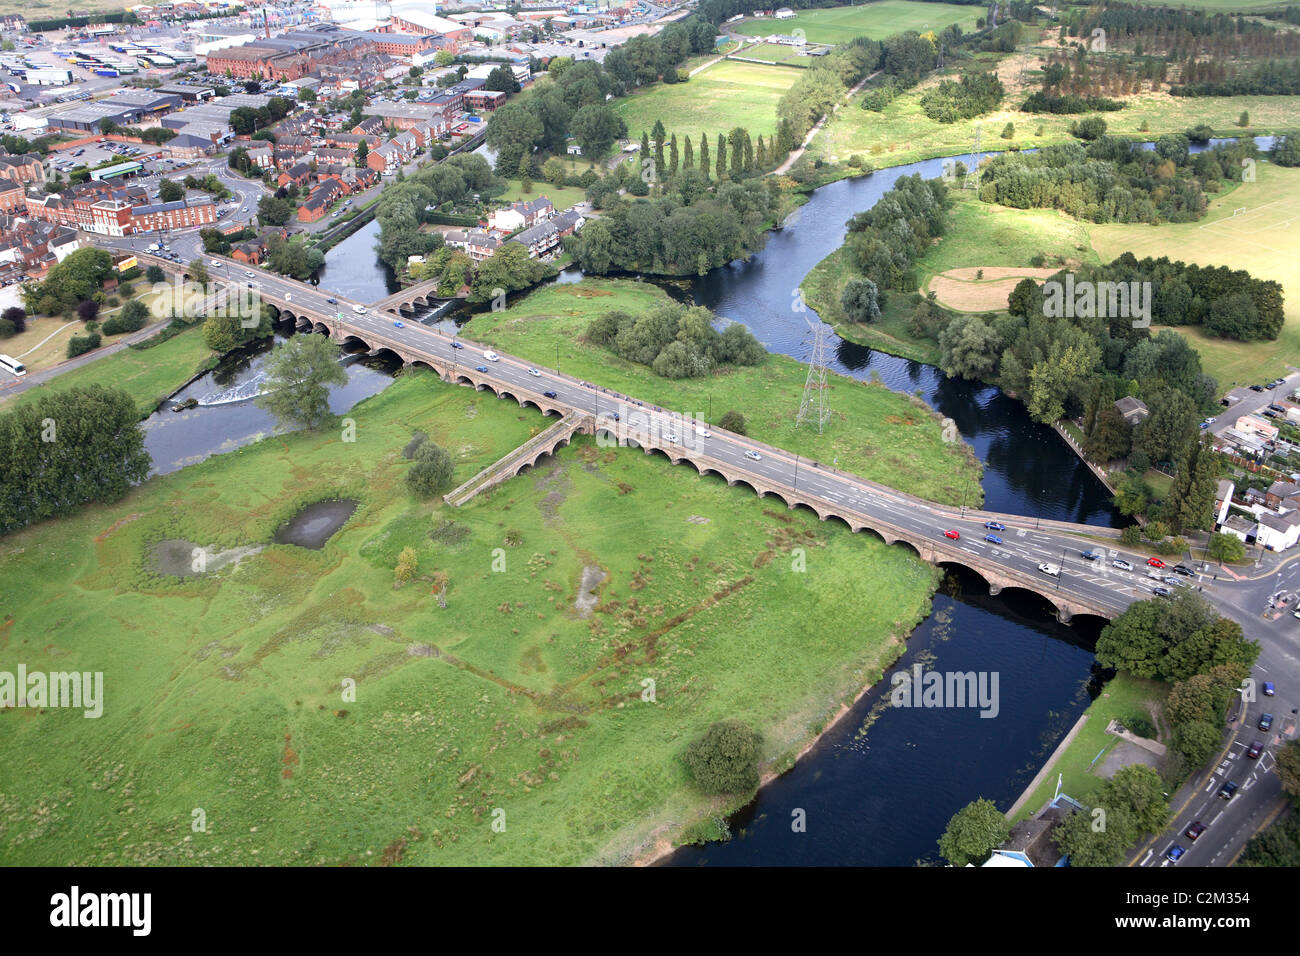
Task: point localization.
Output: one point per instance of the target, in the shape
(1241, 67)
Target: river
(879, 787)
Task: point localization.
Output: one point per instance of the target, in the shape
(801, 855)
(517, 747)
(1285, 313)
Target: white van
(491, 356)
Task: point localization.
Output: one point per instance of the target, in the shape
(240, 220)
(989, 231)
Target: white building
(1277, 532)
(785, 13)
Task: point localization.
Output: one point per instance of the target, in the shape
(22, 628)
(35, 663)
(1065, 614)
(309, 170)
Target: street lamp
(796, 472)
(1060, 571)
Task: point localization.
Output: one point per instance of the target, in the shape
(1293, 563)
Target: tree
(969, 348)
(363, 151)
(732, 421)
(16, 316)
(407, 564)
(1226, 548)
(222, 333)
(431, 472)
(155, 274)
(704, 156)
(306, 95)
(1244, 118)
(720, 164)
(502, 80)
(1111, 436)
(444, 58)
(1190, 502)
(96, 454)
(1288, 767)
(725, 759)
(298, 375)
(273, 211)
(1090, 128)
(860, 300)
(198, 271)
(973, 833)
(87, 310)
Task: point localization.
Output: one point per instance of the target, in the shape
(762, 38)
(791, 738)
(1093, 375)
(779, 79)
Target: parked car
(1269, 690)
(995, 526)
(1265, 721)
(1161, 591)
(1228, 789)
(1184, 570)
(1255, 749)
(1121, 564)
(992, 539)
(1257, 388)
(950, 533)
(1194, 832)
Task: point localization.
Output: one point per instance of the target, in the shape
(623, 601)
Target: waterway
(879, 787)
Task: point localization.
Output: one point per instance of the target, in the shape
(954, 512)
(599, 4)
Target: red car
(1255, 749)
(951, 534)
(1155, 562)
(1195, 830)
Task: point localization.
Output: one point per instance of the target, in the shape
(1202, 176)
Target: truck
(152, 247)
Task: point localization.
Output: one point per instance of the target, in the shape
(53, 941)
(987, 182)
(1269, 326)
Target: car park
(1121, 564)
(995, 526)
(1255, 749)
(992, 539)
(950, 533)
(1228, 789)
(1175, 853)
(1265, 721)
(1051, 569)
(1194, 832)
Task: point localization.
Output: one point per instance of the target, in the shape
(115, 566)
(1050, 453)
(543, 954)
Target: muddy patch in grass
(592, 577)
(179, 558)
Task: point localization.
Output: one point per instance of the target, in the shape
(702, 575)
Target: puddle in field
(315, 524)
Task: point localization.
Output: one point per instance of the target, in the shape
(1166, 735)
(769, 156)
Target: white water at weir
(237, 393)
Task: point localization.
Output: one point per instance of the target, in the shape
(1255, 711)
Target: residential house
(476, 243)
(297, 175)
(1222, 500)
(1133, 410)
(1280, 492)
(1277, 532)
(521, 215)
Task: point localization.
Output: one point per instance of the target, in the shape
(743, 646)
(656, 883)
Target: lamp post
(1061, 570)
(796, 472)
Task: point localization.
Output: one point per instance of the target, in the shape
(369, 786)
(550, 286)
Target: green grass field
(777, 53)
(1123, 697)
(562, 197)
(901, 447)
(902, 133)
(223, 692)
(146, 374)
(724, 96)
(878, 20)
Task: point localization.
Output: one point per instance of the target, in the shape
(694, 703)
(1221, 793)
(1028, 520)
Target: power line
(812, 407)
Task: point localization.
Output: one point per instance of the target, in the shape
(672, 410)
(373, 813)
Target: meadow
(878, 20)
(777, 53)
(727, 94)
(504, 728)
(874, 432)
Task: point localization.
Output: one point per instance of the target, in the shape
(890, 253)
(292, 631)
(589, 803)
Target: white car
(703, 432)
(1051, 569)
(288, 297)
(671, 437)
(491, 356)
(249, 274)
(533, 371)
(753, 456)
(359, 309)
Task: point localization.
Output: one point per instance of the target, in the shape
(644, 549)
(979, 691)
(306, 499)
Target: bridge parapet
(526, 455)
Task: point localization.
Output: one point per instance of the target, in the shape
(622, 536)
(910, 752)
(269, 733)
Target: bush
(80, 344)
(733, 421)
(725, 759)
(155, 274)
(1131, 536)
(7, 330)
(431, 473)
(17, 316)
(1141, 725)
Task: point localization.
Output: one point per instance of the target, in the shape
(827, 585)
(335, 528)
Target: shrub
(431, 473)
(80, 344)
(17, 316)
(1141, 725)
(7, 330)
(733, 421)
(1131, 536)
(725, 759)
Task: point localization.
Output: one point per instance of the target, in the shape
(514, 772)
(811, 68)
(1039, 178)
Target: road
(1249, 402)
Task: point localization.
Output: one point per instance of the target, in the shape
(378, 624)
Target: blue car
(1089, 555)
(1175, 853)
(992, 539)
(1269, 690)
(399, 325)
(995, 526)
(480, 368)
(456, 345)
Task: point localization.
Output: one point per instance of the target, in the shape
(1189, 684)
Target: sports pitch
(876, 20)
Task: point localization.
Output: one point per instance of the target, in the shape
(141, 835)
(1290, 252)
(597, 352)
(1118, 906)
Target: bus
(12, 365)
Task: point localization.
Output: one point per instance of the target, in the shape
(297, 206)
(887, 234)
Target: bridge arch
(736, 482)
(321, 328)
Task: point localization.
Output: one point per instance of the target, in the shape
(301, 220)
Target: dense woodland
(675, 340)
(1113, 180)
